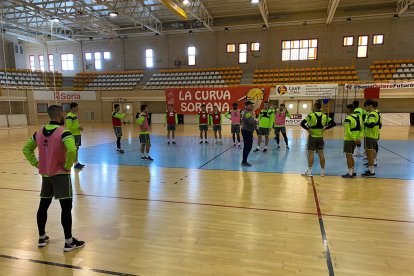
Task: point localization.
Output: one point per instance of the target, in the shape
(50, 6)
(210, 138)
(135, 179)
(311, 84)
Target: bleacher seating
(26, 79)
(337, 74)
(393, 70)
(125, 80)
(207, 77)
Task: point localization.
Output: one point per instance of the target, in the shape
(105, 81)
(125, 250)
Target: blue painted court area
(396, 158)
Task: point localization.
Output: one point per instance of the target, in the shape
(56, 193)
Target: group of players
(361, 124)
(58, 146)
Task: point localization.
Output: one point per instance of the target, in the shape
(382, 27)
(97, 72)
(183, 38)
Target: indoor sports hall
(206, 137)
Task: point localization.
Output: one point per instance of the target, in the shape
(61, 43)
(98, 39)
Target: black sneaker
(368, 174)
(143, 158)
(74, 245)
(265, 150)
(201, 142)
(120, 150)
(168, 142)
(240, 147)
(174, 143)
(149, 158)
(367, 165)
(256, 150)
(206, 142)
(43, 242)
(246, 164)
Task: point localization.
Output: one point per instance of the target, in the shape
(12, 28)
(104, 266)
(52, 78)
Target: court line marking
(215, 157)
(220, 205)
(97, 270)
(327, 253)
(403, 157)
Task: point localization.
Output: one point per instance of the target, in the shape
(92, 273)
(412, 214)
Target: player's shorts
(264, 131)
(279, 129)
(171, 127)
(235, 129)
(145, 139)
(57, 186)
(203, 127)
(78, 140)
(315, 143)
(217, 128)
(370, 143)
(349, 147)
(118, 131)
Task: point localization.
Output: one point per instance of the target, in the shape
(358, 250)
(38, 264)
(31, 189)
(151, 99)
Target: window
(42, 62)
(42, 108)
(16, 49)
(32, 63)
(149, 58)
(243, 53)
(107, 55)
(306, 49)
(98, 61)
(191, 55)
(88, 56)
(378, 39)
(231, 48)
(255, 47)
(51, 63)
(348, 41)
(67, 62)
(362, 51)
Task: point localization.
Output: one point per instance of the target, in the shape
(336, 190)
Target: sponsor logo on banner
(295, 119)
(189, 100)
(45, 95)
(402, 85)
(307, 90)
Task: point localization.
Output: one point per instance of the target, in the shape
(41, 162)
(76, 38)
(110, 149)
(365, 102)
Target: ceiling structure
(38, 20)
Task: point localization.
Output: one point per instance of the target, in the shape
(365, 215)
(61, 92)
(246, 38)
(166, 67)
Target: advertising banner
(401, 85)
(189, 100)
(307, 90)
(295, 119)
(45, 95)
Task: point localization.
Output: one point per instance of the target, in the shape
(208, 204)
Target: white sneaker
(308, 173)
(322, 173)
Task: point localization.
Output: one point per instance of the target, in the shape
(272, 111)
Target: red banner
(189, 100)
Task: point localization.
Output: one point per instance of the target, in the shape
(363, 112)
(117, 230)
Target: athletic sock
(371, 169)
(142, 154)
(258, 147)
(42, 237)
(69, 241)
(350, 171)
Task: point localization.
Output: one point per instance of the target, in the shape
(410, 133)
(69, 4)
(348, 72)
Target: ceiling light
(55, 19)
(90, 38)
(348, 20)
(226, 30)
(190, 32)
(396, 16)
(264, 27)
(186, 2)
(255, 1)
(113, 14)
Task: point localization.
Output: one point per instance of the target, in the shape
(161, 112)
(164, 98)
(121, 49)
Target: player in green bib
(359, 152)
(266, 119)
(372, 131)
(353, 132)
(72, 124)
(316, 123)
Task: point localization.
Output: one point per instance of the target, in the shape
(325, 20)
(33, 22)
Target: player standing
(171, 119)
(57, 151)
(203, 122)
(316, 123)
(249, 124)
(215, 120)
(372, 131)
(234, 116)
(144, 130)
(266, 119)
(359, 152)
(280, 125)
(117, 118)
(353, 133)
(72, 124)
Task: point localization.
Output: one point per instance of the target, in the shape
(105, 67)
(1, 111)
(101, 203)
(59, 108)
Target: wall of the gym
(7, 56)
(211, 47)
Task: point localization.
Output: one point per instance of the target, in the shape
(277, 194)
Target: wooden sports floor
(149, 219)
